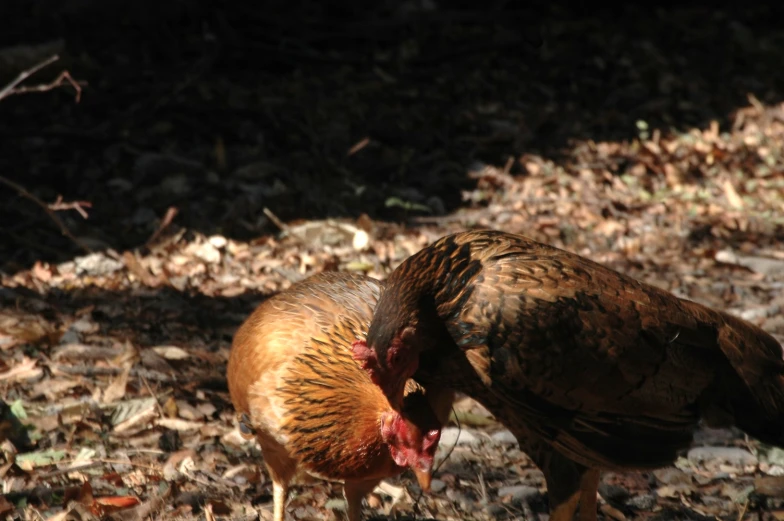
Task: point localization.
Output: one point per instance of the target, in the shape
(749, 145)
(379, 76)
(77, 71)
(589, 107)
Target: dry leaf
(171, 352)
(42, 272)
(732, 195)
(24, 370)
(116, 390)
(178, 424)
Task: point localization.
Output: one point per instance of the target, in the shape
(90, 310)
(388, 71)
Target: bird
(589, 368)
(297, 389)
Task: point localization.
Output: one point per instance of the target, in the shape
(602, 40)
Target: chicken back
(589, 368)
(297, 388)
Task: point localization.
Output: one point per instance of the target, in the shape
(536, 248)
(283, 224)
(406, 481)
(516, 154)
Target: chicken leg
(354, 492)
(282, 469)
(569, 484)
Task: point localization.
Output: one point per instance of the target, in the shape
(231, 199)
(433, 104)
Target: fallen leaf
(42, 272)
(118, 502)
(5, 506)
(732, 195)
(772, 486)
(24, 370)
(116, 390)
(178, 424)
(172, 352)
(30, 460)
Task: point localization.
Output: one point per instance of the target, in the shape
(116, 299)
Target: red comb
(367, 358)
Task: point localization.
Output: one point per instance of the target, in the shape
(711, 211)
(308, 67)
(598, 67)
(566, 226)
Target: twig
(171, 213)
(274, 218)
(52, 215)
(483, 489)
(64, 76)
(149, 390)
(742, 510)
(95, 462)
(8, 89)
(79, 206)
(92, 371)
(12, 88)
(59, 472)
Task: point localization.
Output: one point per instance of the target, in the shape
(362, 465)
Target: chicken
(297, 388)
(589, 368)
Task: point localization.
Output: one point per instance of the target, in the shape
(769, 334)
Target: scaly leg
(281, 468)
(589, 487)
(568, 483)
(280, 492)
(354, 492)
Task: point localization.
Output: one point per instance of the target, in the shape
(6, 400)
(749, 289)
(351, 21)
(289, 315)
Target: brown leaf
(24, 370)
(42, 272)
(220, 508)
(117, 502)
(5, 506)
(772, 486)
(732, 195)
(176, 424)
(171, 352)
(170, 407)
(116, 390)
(144, 510)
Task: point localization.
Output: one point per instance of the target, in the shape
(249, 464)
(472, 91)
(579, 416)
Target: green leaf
(42, 458)
(18, 410)
(407, 205)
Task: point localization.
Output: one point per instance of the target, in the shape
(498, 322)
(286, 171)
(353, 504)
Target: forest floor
(214, 175)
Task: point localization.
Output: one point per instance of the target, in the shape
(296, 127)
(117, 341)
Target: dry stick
(153, 395)
(64, 76)
(12, 88)
(274, 218)
(742, 510)
(171, 213)
(53, 216)
(79, 206)
(9, 89)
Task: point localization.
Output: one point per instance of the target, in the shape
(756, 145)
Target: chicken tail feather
(754, 391)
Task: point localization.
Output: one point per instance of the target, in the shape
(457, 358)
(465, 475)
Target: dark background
(223, 108)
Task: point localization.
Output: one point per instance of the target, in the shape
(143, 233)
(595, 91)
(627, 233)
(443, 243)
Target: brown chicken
(589, 368)
(297, 388)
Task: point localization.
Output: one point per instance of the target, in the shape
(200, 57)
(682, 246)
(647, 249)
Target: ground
(226, 152)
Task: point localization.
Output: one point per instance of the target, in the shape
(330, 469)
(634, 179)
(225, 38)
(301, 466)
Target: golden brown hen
(292, 377)
(589, 368)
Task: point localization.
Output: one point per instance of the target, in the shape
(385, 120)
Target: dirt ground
(219, 153)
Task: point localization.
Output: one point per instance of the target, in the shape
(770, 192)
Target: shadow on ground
(314, 111)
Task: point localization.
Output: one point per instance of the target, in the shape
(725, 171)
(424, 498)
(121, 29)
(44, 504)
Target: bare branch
(79, 206)
(52, 215)
(8, 89)
(171, 213)
(64, 77)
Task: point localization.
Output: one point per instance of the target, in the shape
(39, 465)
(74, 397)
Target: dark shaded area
(222, 109)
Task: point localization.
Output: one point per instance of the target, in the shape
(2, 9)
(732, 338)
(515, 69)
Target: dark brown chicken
(294, 382)
(589, 368)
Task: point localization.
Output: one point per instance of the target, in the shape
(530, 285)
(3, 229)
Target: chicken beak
(424, 477)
